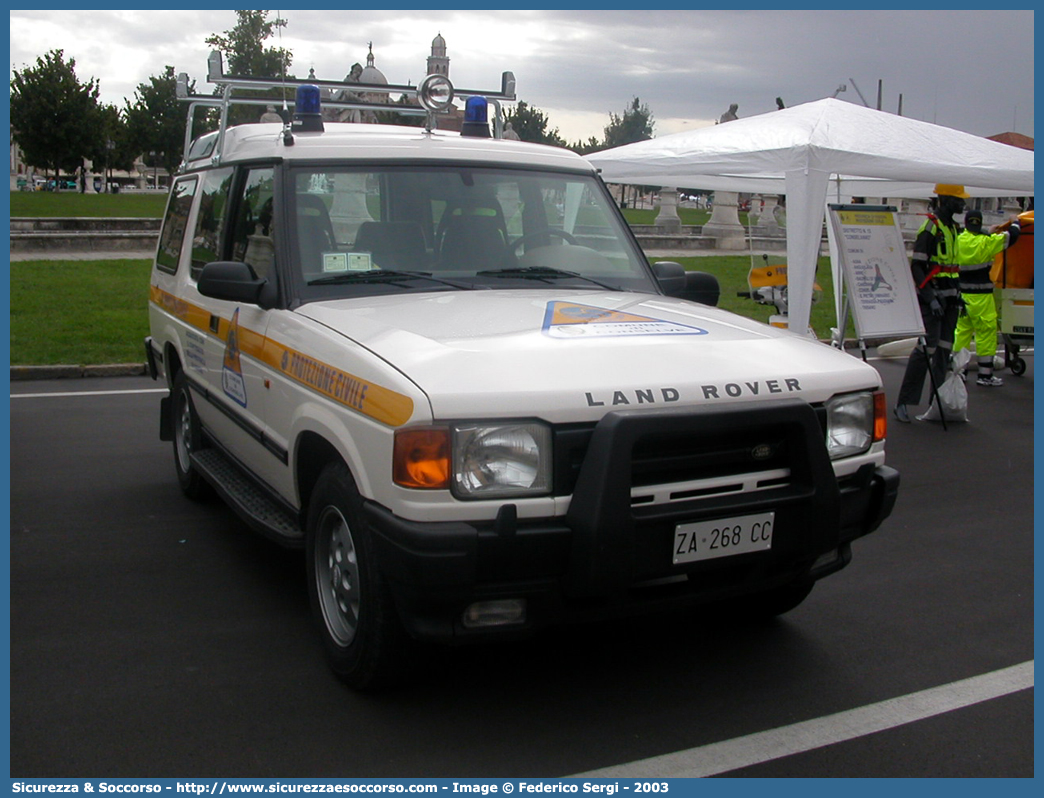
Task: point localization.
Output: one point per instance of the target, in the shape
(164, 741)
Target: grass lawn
(79, 312)
(103, 316)
(72, 204)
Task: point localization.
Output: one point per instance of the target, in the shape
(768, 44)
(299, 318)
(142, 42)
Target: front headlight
(501, 459)
(851, 426)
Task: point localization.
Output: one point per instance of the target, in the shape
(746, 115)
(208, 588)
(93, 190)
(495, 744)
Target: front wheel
(361, 632)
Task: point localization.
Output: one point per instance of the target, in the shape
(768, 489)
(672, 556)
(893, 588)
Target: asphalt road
(155, 637)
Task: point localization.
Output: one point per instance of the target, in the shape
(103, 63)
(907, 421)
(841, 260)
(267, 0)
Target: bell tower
(438, 63)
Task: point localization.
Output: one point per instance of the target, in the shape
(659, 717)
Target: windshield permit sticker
(335, 262)
(232, 373)
(573, 320)
(360, 261)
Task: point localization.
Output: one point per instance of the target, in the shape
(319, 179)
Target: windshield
(434, 228)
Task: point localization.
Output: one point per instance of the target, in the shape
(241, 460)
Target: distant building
(1013, 140)
(438, 63)
(141, 176)
(374, 76)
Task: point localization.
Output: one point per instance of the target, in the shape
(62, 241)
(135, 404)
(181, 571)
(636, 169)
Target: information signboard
(876, 271)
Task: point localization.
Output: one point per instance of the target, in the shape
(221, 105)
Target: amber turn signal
(422, 458)
(880, 416)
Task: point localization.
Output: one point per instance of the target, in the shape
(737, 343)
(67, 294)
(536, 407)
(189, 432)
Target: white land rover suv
(442, 365)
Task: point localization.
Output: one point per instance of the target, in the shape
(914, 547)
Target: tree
(244, 46)
(156, 121)
(531, 125)
(54, 117)
(113, 148)
(244, 52)
(584, 147)
(636, 124)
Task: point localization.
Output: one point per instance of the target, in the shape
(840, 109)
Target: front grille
(638, 474)
(656, 459)
(668, 467)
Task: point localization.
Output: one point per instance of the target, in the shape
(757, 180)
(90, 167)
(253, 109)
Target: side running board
(249, 501)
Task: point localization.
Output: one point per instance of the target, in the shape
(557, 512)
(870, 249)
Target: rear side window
(213, 202)
(175, 223)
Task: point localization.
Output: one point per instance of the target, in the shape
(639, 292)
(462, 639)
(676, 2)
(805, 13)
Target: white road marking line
(84, 393)
(728, 755)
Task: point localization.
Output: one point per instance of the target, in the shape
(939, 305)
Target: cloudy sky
(970, 70)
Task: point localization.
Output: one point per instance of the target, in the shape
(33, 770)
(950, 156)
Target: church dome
(372, 74)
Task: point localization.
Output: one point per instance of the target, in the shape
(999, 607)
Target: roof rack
(334, 94)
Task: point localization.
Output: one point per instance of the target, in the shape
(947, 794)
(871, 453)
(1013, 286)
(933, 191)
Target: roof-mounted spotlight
(435, 94)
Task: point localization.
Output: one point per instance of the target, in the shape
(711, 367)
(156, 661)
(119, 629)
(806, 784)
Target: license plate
(706, 540)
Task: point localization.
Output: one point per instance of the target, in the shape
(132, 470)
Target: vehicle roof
(350, 141)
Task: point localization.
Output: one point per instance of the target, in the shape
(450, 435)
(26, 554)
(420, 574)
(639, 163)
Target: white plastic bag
(953, 393)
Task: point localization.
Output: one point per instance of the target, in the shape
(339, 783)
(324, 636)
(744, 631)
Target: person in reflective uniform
(975, 253)
(936, 275)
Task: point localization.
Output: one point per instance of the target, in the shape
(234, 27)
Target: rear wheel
(364, 640)
(188, 438)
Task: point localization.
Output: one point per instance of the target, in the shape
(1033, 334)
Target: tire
(1018, 366)
(188, 438)
(363, 638)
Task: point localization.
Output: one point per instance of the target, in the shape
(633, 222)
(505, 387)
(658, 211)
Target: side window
(253, 236)
(175, 223)
(213, 201)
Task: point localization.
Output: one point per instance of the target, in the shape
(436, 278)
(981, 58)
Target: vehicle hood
(574, 355)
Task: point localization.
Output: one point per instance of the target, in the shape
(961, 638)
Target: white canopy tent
(802, 151)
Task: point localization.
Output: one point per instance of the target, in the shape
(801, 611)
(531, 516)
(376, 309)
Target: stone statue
(270, 115)
(729, 115)
(346, 96)
(724, 223)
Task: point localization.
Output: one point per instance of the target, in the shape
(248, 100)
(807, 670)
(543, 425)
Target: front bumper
(610, 557)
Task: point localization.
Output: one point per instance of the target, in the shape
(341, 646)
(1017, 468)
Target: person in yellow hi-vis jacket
(975, 253)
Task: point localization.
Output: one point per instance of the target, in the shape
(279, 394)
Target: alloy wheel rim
(337, 576)
(183, 433)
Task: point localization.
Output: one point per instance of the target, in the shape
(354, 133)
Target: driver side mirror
(235, 281)
(692, 286)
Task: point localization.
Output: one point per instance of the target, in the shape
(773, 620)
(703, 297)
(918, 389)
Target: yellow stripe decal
(379, 403)
(372, 400)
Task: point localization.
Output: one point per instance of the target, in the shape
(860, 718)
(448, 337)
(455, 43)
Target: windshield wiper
(386, 276)
(547, 274)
